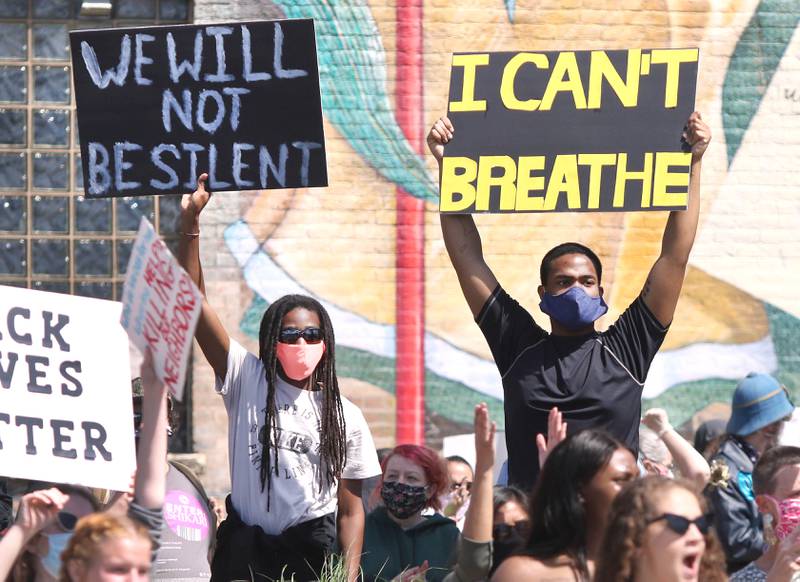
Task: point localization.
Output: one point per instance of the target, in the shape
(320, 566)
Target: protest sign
(157, 106)
(570, 131)
(160, 307)
(65, 390)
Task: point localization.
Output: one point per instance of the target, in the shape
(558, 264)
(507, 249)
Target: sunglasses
(465, 484)
(680, 525)
(66, 520)
(290, 335)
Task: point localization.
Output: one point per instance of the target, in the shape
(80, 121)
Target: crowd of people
(592, 490)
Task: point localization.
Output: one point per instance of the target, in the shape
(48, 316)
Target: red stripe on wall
(410, 252)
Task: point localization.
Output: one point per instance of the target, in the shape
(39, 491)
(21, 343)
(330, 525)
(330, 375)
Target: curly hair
(91, 531)
(627, 524)
(431, 463)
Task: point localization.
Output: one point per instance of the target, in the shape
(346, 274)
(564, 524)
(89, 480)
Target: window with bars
(51, 237)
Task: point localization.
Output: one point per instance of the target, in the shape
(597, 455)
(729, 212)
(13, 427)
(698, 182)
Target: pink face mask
(789, 516)
(299, 360)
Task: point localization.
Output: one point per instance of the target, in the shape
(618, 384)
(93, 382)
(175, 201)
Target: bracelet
(191, 234)
(664, 431)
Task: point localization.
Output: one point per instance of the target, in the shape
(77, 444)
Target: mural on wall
(739, 311)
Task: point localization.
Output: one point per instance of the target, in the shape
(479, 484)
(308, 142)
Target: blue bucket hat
(758, 401)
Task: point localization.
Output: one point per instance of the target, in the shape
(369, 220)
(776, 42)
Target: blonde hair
(91, 531)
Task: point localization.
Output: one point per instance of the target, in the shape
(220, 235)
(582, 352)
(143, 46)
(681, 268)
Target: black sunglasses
(465, 484)
(680, 525)
(66, 520)
(290, 335)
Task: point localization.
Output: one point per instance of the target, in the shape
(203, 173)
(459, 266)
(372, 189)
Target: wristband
(191, 234)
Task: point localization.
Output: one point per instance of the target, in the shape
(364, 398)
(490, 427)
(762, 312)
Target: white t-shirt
(296, 495)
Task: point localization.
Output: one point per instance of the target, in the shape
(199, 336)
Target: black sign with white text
(157, 106)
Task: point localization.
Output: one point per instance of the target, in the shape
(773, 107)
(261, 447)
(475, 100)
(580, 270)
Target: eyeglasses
(290, 335)
(465, 484)
(680, 525)
(66, 520)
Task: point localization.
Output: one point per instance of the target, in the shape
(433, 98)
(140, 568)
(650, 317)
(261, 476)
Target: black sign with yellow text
(569, 131)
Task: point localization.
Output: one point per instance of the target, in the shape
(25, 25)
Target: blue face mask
(574, 309)
(57, 543)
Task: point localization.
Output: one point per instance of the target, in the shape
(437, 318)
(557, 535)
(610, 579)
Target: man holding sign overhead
(594, 378)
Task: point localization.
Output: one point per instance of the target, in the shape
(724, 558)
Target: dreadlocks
(333, 443)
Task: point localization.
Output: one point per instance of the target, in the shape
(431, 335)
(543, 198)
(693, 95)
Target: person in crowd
(298, 449)
(569, 509)
(397, 535)
(708, 435)
(759, 408)
(776, 483)
(61, 523)
(475, 546)
(595, 378)
(661, 447)
(455, 502)
(659, 531)
(187, 543)
(106, 548)
(510, 524)
(45, 522)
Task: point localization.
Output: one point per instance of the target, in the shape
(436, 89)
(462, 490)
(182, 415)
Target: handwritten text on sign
(569, 131)
(65, 390)
(159, 105)
(161, 305)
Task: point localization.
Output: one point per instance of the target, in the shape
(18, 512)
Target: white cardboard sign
(161, 305)
(65, 390)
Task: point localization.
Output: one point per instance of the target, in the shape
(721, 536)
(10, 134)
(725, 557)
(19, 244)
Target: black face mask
(507, 540)
(403, 500)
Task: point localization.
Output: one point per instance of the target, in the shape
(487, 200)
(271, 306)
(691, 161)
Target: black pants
(245, 552)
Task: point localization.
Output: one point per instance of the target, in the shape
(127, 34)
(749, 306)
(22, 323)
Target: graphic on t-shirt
(185, 516)
(289, 440)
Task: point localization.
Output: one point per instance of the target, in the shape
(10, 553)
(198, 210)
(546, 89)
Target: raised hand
(556, 432)
(440, 134)
(485, 431)
(697, 134)
(192, 204)
(39, 509)
(656, 419)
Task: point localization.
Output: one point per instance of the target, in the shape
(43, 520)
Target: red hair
(431, 463)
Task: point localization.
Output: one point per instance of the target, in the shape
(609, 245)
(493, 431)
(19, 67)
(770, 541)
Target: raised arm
(461, 237)
(36, 511)
(691, 464)
(663, 286)
(480, 514)
(210, 333)
(151, 459)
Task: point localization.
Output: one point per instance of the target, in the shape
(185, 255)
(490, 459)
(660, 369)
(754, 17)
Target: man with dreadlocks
(298, 450)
